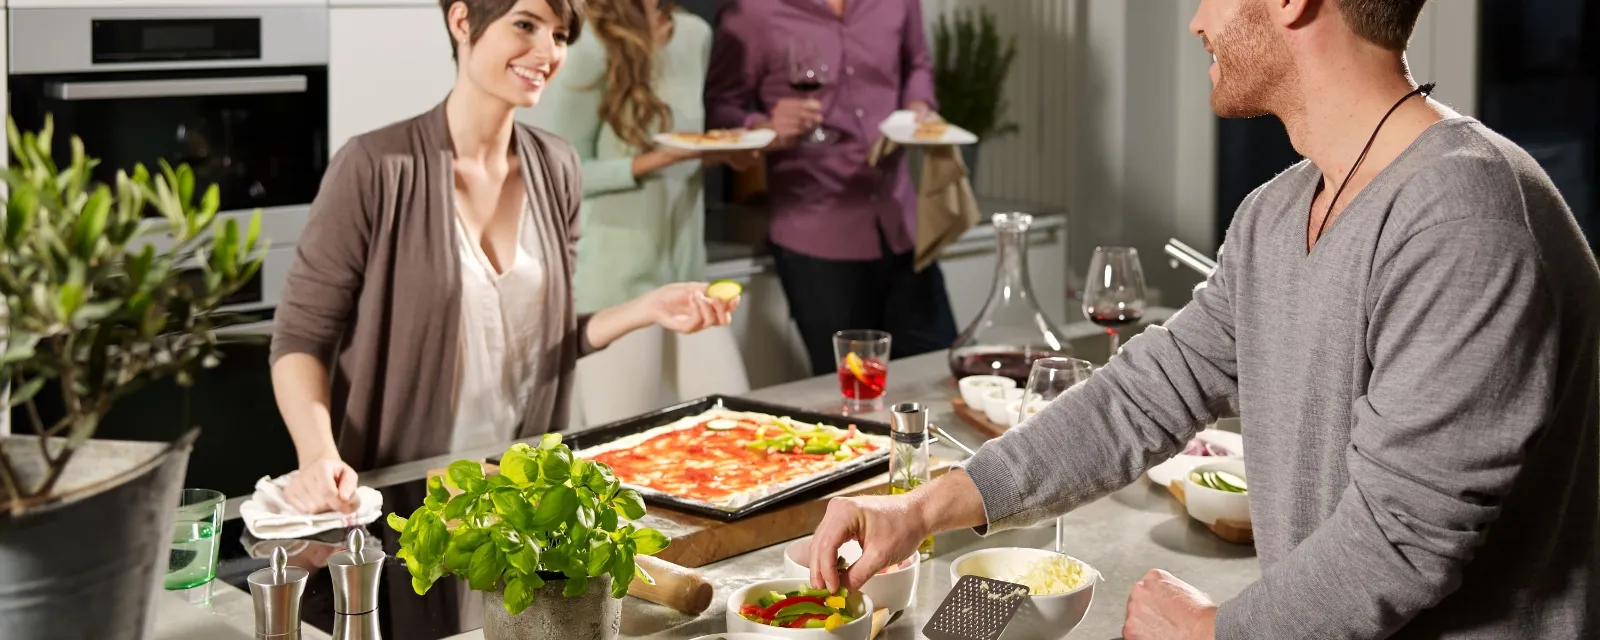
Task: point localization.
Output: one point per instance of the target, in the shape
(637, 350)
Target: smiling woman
(429, 309)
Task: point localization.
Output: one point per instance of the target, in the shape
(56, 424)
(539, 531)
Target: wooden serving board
(1235, 532)
(698, 541)
(976, 418)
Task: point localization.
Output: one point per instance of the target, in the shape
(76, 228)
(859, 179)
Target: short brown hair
(482, 13)
(1386, 23)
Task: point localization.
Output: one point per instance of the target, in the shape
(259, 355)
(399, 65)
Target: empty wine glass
(808, 72)
(1050, 378)
(1113, 297)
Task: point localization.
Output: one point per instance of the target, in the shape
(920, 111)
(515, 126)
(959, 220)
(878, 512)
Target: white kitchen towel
(268, 515)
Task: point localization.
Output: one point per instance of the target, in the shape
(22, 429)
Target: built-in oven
(240, 94)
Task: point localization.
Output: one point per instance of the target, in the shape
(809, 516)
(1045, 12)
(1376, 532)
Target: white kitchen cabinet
(385, 64)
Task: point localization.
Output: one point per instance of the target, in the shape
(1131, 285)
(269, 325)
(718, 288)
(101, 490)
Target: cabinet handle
(175, 88)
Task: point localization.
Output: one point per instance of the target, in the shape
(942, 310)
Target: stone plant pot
(592, 616)
(88, 561)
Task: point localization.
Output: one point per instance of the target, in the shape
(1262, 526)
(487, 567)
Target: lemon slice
(855, 365)
(725, 290)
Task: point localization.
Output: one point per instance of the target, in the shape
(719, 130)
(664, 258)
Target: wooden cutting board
(698, 541)
(976, 418)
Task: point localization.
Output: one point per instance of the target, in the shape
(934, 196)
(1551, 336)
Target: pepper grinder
(276, 591)
(908, 458)
(355, 574)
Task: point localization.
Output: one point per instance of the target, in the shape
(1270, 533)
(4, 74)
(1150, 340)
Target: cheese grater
(976, 609)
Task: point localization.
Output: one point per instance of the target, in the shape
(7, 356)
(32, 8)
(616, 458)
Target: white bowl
(1178, 466)
(1014, 415)
(857, 602)
(892, 590)
(1210, 505)
(1045, 617)
(973, 388)
(995, 401)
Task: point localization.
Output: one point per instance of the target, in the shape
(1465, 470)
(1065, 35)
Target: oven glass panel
(168, 40)
(261, 149)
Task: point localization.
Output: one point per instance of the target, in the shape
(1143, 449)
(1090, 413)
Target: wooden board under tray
(976, 418)
(698, 541)
(1235, 532)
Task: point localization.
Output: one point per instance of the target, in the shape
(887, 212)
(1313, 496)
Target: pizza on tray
(727, 459)
(712, 137)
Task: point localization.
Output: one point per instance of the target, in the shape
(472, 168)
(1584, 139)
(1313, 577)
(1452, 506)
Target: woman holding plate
(643, 218)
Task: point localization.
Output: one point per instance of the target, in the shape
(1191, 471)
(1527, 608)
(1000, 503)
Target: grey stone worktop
(1123, 536)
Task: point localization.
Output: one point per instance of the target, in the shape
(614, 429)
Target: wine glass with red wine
(1114, 295)
(808, 72)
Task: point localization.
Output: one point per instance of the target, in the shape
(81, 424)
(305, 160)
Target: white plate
(752, 139)
(901, 128)
(1176, 467)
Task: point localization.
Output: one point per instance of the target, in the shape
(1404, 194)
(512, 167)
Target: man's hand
(888, 528)
(795, 117)
(1163, 607)
(322, 485)
(923, 110)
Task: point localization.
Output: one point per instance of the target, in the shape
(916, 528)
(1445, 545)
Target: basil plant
(545, 515)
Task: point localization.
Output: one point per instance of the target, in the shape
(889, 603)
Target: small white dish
(994, 404)
(856, 603)
(973, 388)
(1015, 415)
(893, 589)
(1046, 617)
(1210, 506)
(1178, 466)
(750, 140)
(901, 128)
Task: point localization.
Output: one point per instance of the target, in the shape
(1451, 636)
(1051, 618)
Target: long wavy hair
(630, 104)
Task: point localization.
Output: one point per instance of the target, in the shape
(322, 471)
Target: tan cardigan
(376, 285)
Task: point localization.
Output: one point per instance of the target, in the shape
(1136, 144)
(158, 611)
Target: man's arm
(734, 76)
(1137, 411)
(1463, 347)
(917, 85)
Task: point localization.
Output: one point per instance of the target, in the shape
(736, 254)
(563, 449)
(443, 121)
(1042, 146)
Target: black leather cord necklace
(1422, 90)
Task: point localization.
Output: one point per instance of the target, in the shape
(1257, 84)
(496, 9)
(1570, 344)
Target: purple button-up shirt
(827, 202)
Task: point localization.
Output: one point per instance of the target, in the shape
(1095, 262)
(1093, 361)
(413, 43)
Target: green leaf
(438, 495)
(585, 517)
(549, 441)
(518, 594)
(458, 557)
(600, 550)
(514, 509)
(630, 503)
(556, 464)
(649, 542)
(82, 429)
(580, 471)
(467, 475)
(603, 481)
(497, 481)
(487, 565)
(607, 520)
(432, 538)
(525, 558)
(396, 522)
(556, 507)
(19, 347)
(518, 465)
(423, 581)
(576, 587)
(459, 506)
(621, 572)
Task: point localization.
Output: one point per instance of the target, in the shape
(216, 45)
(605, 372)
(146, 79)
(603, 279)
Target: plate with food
(729, 457)
(1208, 445)
(902, 127)
(717, 139)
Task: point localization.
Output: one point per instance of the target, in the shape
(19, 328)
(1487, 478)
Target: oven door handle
(175, 88)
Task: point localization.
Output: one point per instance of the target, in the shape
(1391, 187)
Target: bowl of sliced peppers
(791, 609)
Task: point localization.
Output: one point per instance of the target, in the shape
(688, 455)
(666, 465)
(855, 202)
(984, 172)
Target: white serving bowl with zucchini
(857, 606)
(1218, 492)
(1061, 588)
(892, 589)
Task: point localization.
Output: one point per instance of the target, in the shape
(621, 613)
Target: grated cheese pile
(1051, 578)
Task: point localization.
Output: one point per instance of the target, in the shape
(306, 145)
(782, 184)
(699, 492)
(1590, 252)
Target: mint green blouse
(636, 234)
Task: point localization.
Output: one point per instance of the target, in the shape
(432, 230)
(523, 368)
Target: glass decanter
(1012, 331)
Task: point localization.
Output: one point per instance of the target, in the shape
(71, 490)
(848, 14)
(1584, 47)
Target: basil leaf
(497, 481)
(600, 551)
(630, 503)
(580, 471)
(518, 594)
(525, 558)
(621, 571)
(505, 538)
(487, 565)
(585, 520)
(642, 575)
(422, 579)
(557, 506)
(438, 495)
(549, 441)
(607, 520)
(649, 541)
(459, 506)
(431, 538)
(396, 522)
(518, 465)
(513, 508)
(555, 465)
(467, 475)
(576, 587)
(602, 481)
(458, 557)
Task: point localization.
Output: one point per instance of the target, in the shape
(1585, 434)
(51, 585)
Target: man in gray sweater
(1409, 325)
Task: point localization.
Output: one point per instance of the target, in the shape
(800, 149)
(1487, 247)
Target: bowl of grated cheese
(1060, 588)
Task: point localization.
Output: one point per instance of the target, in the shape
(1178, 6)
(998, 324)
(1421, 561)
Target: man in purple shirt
(843, 231)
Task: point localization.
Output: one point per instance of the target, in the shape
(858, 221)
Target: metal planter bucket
(88, 562)
(592, 616)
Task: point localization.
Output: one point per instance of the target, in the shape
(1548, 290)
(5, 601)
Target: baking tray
(869, 465)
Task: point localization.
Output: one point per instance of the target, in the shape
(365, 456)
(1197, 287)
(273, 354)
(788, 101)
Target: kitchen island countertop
(1122, 535)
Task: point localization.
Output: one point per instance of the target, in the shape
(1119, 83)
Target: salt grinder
(276, 591)
(355, 574)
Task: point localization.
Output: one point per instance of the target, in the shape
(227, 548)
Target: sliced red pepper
(754, 612)
(800, 622)
(772, 611)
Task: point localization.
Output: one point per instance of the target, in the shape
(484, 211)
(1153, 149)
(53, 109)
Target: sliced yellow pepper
(834, 602)
(833, 622)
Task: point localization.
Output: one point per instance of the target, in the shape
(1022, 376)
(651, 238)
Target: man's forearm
(950, 502)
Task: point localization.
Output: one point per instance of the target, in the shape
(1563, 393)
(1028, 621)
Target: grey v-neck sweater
(1419, 397)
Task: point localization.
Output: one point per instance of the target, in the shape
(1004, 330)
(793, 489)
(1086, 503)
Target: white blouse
(494, 365)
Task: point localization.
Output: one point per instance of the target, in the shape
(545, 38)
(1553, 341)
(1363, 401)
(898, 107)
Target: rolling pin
(681, 588)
